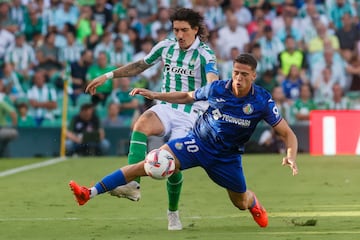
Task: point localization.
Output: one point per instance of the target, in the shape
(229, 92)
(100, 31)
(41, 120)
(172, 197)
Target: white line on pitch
(274, 214)
(31, 166)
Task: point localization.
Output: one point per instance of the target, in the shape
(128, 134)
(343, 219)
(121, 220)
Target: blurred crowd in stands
(308, 53)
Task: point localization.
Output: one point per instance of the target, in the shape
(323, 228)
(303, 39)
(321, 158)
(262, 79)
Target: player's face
(243, 77)
(184, 34)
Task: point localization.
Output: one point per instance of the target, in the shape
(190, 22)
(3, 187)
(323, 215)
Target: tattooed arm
(129, 70)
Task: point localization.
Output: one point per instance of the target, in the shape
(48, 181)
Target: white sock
(93, 192)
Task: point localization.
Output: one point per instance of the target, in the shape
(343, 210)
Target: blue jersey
(229, 121)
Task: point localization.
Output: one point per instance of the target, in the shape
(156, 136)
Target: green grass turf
(37, 204)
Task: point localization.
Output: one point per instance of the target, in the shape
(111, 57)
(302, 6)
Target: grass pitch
(320, 203)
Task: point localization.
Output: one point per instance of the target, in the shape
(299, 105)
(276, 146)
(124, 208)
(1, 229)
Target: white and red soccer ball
(159, 164)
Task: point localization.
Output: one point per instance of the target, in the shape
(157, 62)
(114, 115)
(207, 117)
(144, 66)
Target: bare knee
(149, 124)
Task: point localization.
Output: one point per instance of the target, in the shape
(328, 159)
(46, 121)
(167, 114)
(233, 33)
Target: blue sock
(110, 182)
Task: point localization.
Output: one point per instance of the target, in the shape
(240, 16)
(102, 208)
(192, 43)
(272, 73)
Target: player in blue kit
(217, 141)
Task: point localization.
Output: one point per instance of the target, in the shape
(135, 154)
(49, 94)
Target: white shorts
(176, 123)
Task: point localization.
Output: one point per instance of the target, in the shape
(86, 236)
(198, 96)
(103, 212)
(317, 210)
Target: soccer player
(217, 141)
(188, 64)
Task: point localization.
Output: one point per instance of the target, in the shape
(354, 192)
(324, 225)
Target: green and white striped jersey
(184, 70)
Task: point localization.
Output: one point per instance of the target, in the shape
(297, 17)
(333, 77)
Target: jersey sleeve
(271, 113)
(154, 55)
(202, 93)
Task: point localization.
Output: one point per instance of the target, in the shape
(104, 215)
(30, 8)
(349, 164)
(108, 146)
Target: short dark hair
(247, 59)
(195, 19)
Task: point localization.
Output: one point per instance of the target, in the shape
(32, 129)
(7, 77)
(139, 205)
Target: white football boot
(174, 222)
(130, 191)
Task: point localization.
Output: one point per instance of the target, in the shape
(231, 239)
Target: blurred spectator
(6, 39)
(242, 13)
(330, 59)
(291, 55)
(21, 55)
(292, 83)
(6, 20)
(339, 101)
(323, 88)
(121, 30)
(85, 135)
(50, 52)
(71, 52)
(353, 72)
(112, 119)
(102, 14)
(66, 12)
(232, 35)
(267, 80)
(323, 38)
(146, 11)
(42, 98)
(336, 9)
(119, 10)
(128, 105)
(105, 45)
(271, 142)
(88, 31)
(213, 15)
(349, 36)
(7, 132)
(33, 27)
(135, 40)
(303, 105)
(101, 67)
(309, 21)
(162, 22)
(119, 55)
(135, 22)
(13, 87)
(17, 13)
(256, 26)
(79, 72)
(289, 30)
(24, 118)
(285, 10)
(271, 46)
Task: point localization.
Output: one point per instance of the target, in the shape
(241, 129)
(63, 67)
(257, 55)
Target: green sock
(138, 149)
(174, 184)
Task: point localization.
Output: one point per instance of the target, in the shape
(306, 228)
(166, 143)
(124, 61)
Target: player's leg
(181, 124)
(117, 178)
(231, 177)
(188, 160)
(248, 200)
(149, 123)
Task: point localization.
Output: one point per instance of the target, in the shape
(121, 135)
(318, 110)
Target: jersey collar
(193, 46)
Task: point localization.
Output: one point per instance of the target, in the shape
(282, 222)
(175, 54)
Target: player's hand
(292, 164)
(91, 87)
(143, 92)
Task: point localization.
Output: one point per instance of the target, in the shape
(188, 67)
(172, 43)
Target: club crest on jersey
(178, 145)
(248, 109)
(179, 70)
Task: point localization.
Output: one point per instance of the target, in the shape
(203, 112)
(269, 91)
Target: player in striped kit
(188, 64)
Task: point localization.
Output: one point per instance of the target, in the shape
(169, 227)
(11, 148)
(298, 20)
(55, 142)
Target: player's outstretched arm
(291, 142)
(171, 97)
(128, 70)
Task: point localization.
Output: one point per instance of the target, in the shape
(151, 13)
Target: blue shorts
(226, 171)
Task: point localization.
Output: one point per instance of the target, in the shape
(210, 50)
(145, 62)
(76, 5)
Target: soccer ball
(159, 164)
